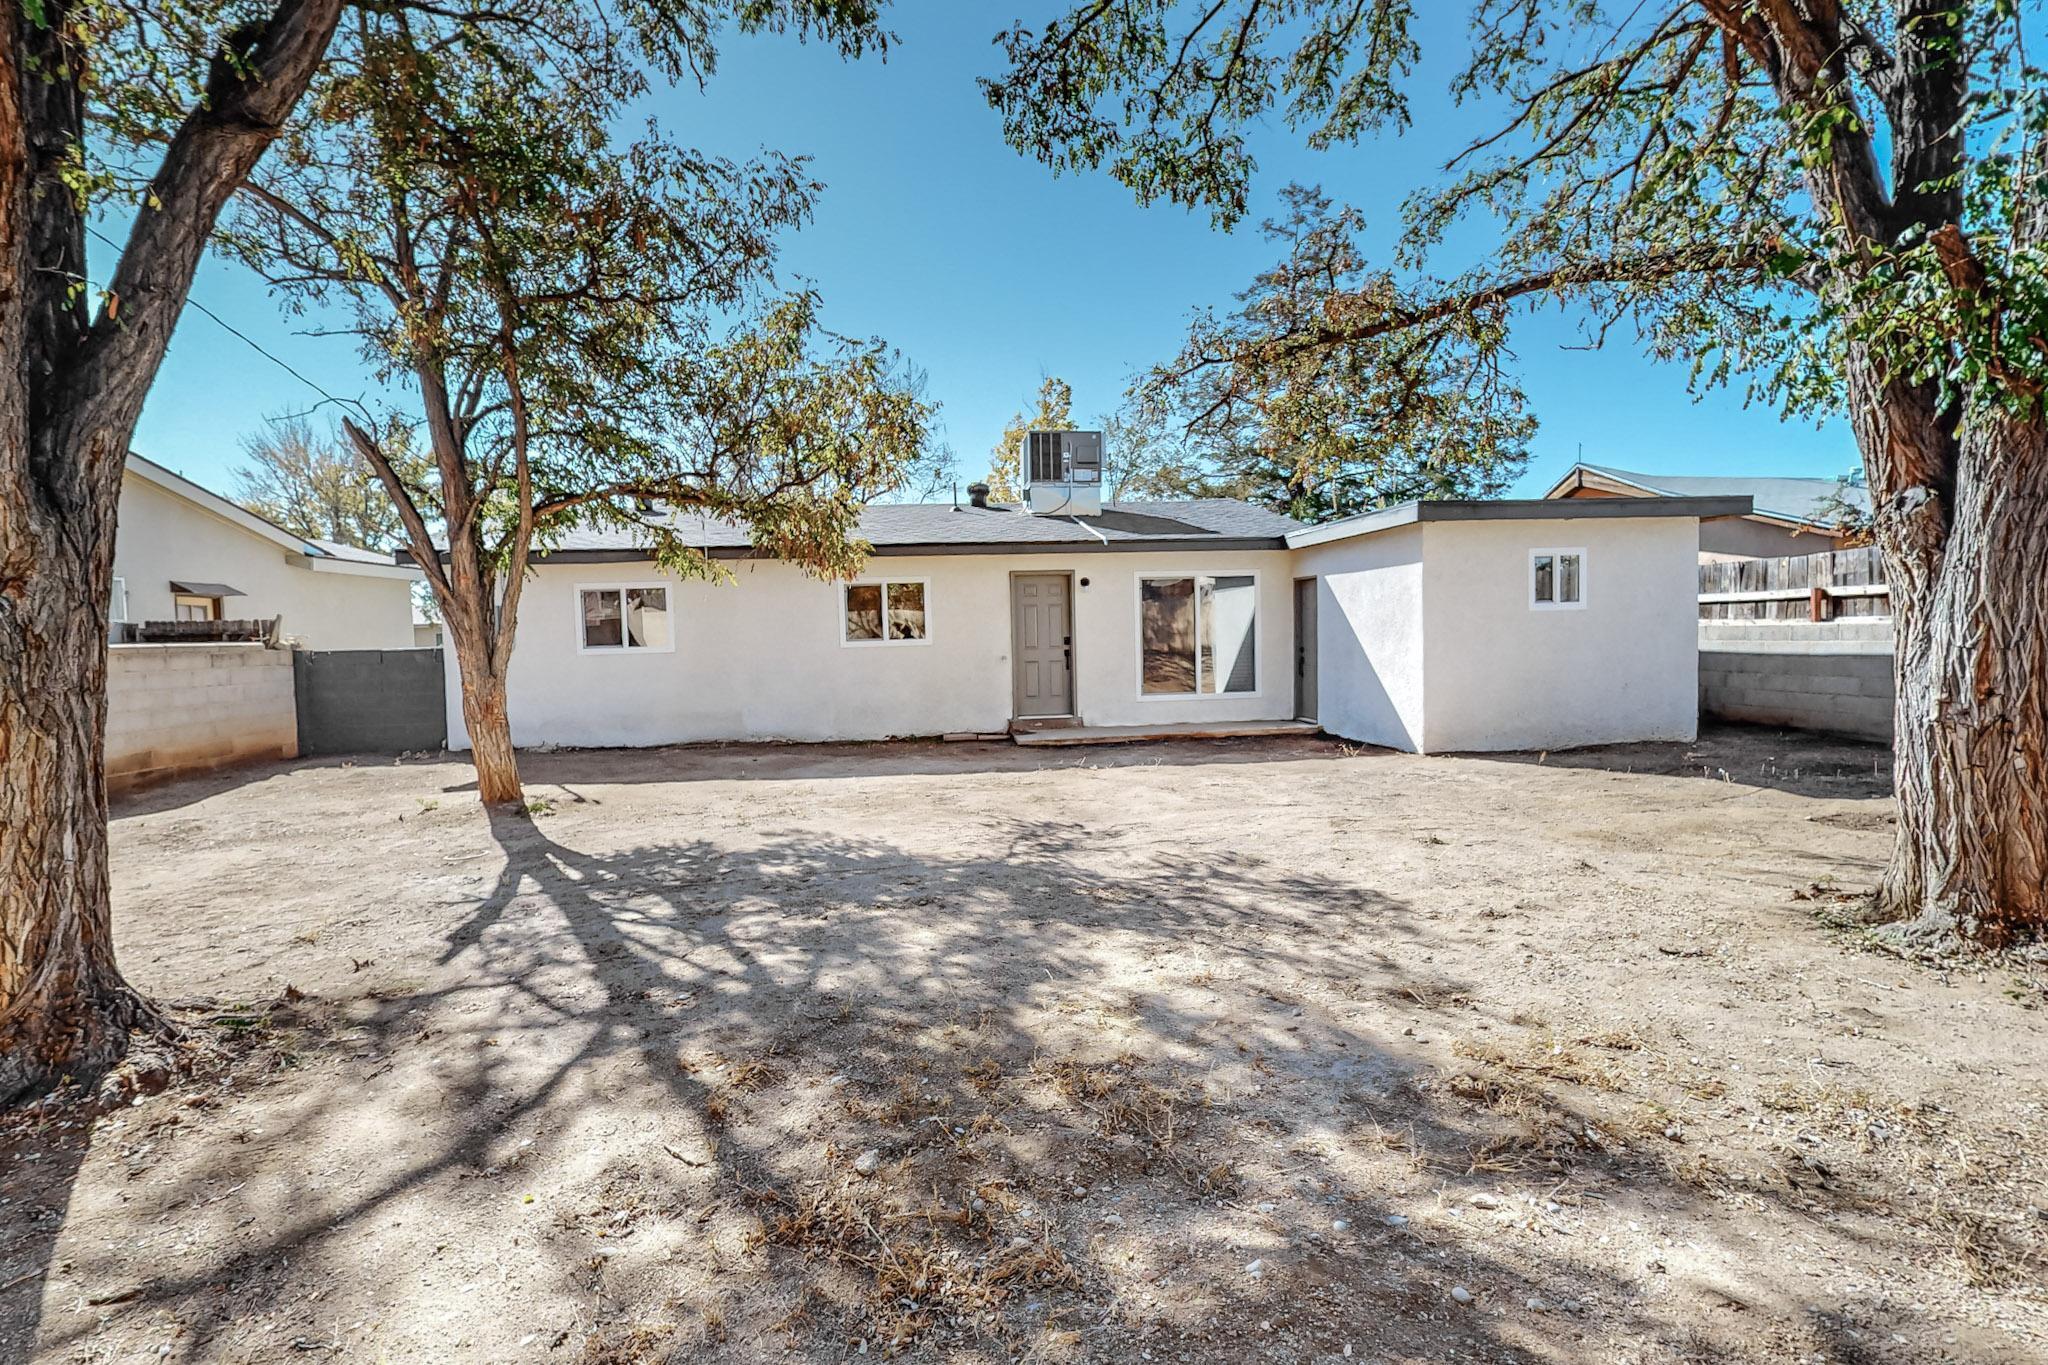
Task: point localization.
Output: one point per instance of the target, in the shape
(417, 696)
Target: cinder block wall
(177, 710)
(1830, 676)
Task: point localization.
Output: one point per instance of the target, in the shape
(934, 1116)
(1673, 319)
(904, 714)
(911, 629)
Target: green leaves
(1158, 91)
(1317, 394)
(584, 327)
(1796, 158)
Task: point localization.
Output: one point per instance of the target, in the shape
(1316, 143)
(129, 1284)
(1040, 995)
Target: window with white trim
(1557, 579)
(885, 612)
(1198, 634)
(625, 617)
(117, 605)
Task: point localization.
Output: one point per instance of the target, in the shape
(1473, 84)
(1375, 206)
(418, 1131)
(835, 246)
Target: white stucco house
(1429, 627)
(183, 553)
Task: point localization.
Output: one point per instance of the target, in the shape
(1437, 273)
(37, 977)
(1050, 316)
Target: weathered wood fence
(1822, 587)
(197, 632)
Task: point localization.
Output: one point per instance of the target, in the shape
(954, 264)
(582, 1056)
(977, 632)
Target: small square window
(886, 613)
(628, 617)
(1557, 579)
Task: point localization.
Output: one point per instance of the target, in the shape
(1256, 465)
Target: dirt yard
(1254, 1051)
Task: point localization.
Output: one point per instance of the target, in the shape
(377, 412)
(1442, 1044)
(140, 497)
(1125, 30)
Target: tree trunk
(64, 1009)
(71, 388)
(483, 715)
(1970, 609)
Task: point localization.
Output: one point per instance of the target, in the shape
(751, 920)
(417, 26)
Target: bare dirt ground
(1254, 1051)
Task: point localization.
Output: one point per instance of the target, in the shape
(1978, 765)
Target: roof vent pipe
(977, 493)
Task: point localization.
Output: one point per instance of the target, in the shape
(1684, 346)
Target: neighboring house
(1430, 627)
(185, 554)
(426, 634)
(1792, 516)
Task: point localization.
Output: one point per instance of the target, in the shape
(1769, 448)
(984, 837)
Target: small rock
(1341, 1225)
(1538, 1306)
(1484, 1201)
(1267, 1208)
(1255, 1268)
(1461, 1294)
(868, 1162)
(1395, 1220)
(1115, 1220)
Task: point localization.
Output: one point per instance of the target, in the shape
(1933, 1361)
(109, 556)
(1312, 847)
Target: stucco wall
(761, 657)
(1502, 675)
(177, 710)
(1369, 636)
(164, 537)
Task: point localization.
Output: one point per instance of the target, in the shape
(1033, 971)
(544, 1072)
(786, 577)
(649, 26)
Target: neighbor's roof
(1801, 500)
(1516, 509)
(319, 554)
(941, 528)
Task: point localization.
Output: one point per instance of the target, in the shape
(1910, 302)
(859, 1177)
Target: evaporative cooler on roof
(1063, 473)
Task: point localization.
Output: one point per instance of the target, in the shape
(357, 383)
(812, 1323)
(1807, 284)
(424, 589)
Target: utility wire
(192, 300)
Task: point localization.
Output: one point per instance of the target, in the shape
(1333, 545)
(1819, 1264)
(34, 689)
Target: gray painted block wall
(1831, 676)
(353, 701)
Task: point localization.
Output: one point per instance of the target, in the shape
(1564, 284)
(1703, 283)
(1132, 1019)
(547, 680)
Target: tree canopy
(1655, 165)
(315, 484)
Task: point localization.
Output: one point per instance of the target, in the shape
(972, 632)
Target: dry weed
(631, 1343)
(1552, 1059)
(922, 1272)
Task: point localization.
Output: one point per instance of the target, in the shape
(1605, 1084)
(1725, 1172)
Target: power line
(192, 300)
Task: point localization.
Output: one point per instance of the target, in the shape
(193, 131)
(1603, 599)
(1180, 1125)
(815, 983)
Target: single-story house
(1791, 516)
(1434, 626)
(183, 553)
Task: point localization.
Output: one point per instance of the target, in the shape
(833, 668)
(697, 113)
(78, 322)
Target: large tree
(1319, 432)
(160, 110)
(556, 304)
(1840, 200)
(314, 483)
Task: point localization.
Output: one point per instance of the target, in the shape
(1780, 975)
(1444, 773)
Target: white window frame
(117, 608)
(576, 607)
(1258, 641)
(1555, 553)
(846, 642)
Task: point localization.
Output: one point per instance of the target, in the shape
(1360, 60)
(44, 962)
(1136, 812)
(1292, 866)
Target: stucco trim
(1518, 509)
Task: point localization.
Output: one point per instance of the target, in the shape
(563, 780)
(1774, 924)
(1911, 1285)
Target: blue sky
(988, 272)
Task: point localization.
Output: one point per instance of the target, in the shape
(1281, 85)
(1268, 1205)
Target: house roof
(1516, 509)
(941, 528)
(1800, 500)
(326, 555)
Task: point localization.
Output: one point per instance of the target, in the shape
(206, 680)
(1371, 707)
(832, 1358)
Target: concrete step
(1139, 734)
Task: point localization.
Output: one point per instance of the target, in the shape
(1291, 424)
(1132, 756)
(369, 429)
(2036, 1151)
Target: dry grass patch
(1538, 1057)
(925, 1267)
(631, 1343)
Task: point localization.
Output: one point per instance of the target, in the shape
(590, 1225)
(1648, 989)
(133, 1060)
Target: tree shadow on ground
(698, 1040)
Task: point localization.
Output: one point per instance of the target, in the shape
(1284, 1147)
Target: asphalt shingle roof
(1222, 521)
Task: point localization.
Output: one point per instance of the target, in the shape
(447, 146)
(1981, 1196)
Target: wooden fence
(197, 632)
(1820, 587)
